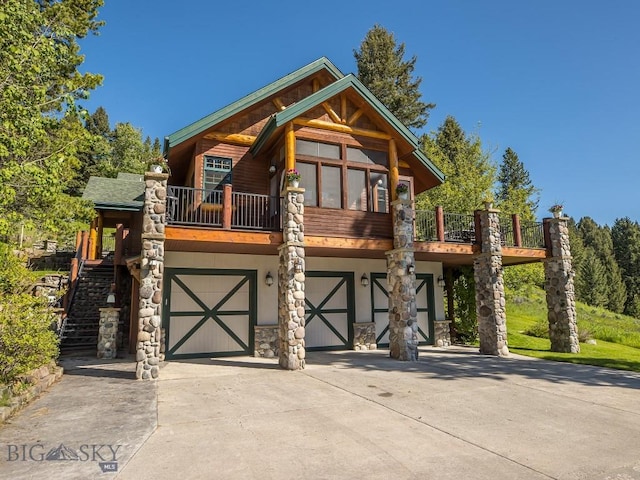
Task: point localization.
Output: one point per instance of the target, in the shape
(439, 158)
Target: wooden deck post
(119, 248)
(478, 226)
(517, 232)
(290, 147)
(84, 250)
(91, 254)
(99, 233)
(226, 207)
(393, 168)
(439, 223)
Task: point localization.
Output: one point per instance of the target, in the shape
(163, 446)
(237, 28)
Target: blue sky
(557, 81)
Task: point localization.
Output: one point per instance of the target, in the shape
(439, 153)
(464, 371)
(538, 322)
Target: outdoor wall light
(272, 169)
(111, 299)
(364, 280)
(297, 265)
(441, 282)
(268, 279)
(411, 269)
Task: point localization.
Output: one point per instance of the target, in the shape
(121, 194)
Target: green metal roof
(122, 193)
(350, 81)
(201, 125)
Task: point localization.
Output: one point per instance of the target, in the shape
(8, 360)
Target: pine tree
(591, 283)
(516, 193)
(469, 171)
(383, 70)
(625, 235)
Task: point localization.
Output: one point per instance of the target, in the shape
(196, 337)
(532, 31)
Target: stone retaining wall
(38, 381)
(442, 334)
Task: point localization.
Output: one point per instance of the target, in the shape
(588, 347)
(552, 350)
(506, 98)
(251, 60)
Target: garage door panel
(210, 312)
(329, 310)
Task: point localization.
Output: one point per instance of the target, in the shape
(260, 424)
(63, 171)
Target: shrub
(26, 338)
(540, 329)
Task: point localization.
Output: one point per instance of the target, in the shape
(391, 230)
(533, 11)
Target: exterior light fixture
(272, 169)
(297, 265)
(364, 280)
(411, 269)
(268, 279)
(111, 296)
(441, 282)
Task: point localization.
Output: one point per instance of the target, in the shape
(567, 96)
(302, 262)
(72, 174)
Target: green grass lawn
(617, 336)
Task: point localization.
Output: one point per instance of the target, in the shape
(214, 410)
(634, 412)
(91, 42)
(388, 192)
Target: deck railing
(437, 226)
(222, 209)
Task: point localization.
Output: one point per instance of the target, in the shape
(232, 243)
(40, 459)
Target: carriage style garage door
(424, 302)
(209, 312)
(330, 310)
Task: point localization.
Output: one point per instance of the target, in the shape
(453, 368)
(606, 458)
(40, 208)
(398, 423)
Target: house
(234, 259)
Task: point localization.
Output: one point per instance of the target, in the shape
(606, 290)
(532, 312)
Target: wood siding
(347, 223)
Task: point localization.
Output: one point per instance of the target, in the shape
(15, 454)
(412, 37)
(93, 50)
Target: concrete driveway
(454, 414)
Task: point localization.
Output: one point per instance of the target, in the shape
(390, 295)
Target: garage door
(209, 313)
(424, 303)
(330, 313)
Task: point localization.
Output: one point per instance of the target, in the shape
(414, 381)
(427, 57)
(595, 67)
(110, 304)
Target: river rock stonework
(150, 337)
(561, 304)
(291, 280)
(442, 333)
(490, 299)
(108, 333)
(401, 280)
(266, 341)
(364, 336)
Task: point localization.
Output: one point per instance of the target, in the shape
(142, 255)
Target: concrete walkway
(454, 414)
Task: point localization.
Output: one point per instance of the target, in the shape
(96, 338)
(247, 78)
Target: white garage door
(209, 312)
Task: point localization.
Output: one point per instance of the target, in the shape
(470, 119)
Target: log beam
(343, 109)
(332, 114)
(234, 138)
(337, 127)
(290, 147)
(393, 167)
(355, 116)
(278, 103)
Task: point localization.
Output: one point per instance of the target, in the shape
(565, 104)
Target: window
(363, 155)
(380, 192)
(308, 181)
(356, 190)
(217, 172)
(317, 149)
(331, 187)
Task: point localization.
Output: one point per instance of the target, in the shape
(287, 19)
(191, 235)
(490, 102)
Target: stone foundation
(364, 336)
(266, 341)
(442, 334)
(108, 333)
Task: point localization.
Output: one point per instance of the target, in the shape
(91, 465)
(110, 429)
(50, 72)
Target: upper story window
(364, 155)
(317, 149)
(217, 172)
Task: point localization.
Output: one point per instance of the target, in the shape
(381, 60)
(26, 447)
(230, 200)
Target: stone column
(558, 273)
(108, 332)
(401, 281)
(490, 300)
(148, 351)
(291, 278)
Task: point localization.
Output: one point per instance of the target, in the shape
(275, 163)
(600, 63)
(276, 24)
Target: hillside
(617, 336)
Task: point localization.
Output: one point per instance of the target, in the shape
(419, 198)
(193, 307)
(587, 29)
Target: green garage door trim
(423, 280)
(215, 313)
(313, 311)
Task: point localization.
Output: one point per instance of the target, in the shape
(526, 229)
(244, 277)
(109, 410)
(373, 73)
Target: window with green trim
(217, 172)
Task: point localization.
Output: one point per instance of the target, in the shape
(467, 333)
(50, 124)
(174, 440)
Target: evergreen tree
(383, 70)
(591, 282)
(625, 235)
(598, 243)
(516, 193)
(468, 169)
(41, 132)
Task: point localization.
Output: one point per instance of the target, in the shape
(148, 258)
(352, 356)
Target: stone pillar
(558, 273)
(291, 278)
(442, 333)
(364, 336)
(108, 332)
(401, 281)
(490, 300)
(148, 351)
